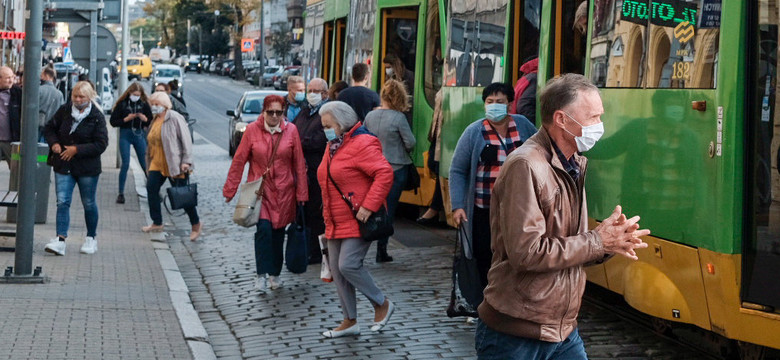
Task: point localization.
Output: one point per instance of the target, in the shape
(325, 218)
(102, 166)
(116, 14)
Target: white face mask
(157, 109)
(590, 135)
(389, 71)
(135, 98)
(314, 99)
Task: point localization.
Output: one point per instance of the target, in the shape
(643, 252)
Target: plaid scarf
(490, 164)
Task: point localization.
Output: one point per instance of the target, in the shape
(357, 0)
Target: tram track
(614, 303)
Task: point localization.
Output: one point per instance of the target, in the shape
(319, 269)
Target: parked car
(165, 73)
(249, 66)
(106, 91)
(226, 67)
(256, 78)
(290, 71)
(268, 77)
(249, 107)
(193, 65)
(213, 65)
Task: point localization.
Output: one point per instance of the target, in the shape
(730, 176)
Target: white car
(165, 73)
(106, 92)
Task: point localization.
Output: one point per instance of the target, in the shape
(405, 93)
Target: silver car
(246, 112)
(165, 73)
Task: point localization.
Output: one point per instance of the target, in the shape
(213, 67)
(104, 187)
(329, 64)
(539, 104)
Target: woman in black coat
(132, 115)
(77, 136)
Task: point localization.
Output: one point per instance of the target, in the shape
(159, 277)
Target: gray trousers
(5, 151)
(345, 258)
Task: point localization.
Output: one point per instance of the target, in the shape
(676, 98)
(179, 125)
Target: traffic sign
(67, 56)
(106, 47)
(247, 45)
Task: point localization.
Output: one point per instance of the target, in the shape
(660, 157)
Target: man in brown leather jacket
(540, 237)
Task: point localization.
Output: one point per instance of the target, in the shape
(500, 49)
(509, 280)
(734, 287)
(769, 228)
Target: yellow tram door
(339, 41)
(327, 52)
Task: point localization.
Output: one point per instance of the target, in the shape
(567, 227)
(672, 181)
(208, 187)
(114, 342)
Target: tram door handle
(699, 105)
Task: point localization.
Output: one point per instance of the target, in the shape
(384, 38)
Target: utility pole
(6, 4)
(125, 47)
(93, 19)
(189, 30)
(262, 44)
(25, 224)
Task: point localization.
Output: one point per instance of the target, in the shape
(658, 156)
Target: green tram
(343, 32)
(692, 140)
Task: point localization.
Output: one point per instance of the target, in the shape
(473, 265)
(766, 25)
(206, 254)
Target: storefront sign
(11, 35)
(667, 13)
(710, 14)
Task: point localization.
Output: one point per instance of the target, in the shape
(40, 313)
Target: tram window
(572, 37)
(433, 59)
(476, 42)
(617, 48)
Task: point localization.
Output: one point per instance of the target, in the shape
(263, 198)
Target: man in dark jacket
(10, 112)
(313, 143)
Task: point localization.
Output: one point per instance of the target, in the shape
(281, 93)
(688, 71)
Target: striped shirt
(491, 159)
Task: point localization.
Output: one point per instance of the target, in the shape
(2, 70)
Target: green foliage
(281, 41)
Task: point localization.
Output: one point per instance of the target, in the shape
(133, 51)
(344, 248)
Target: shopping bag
(466, 292)
(325, 274)
(297, 254)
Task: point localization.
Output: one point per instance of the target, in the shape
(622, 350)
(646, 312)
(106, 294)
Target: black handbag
(296, 254)
(466, 292)
(412, 178)
(377, 226)
(184, 196)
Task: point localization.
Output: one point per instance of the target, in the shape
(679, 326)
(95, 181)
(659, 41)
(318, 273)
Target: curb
(194, 333)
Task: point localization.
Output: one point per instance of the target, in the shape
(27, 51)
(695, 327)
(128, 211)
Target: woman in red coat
(361, 172)
(284, 184)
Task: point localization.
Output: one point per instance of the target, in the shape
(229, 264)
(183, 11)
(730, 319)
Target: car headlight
(241, 126)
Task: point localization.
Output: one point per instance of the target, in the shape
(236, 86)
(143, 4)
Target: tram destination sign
(666, 13)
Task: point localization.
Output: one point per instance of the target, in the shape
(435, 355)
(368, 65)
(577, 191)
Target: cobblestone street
(286, 323)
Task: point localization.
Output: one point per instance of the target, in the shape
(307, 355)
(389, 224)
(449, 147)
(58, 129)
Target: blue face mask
(330, 134)
(495, 112)
(299, 96)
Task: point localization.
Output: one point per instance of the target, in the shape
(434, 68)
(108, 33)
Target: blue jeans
(491, 344)
(269, 249)
(399, 180)
(136, 138)
(64, 185)
(154, 182)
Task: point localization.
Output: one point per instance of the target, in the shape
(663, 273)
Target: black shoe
(381, 257)
(120, 199)
(428, 221)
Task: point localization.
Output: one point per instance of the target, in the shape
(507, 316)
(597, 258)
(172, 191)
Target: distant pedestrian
(175, 92)
(396, 70)
(354, 163)
(284, 184)
(10, 112)
(336, 88)
(431, 215)
(178, 106)
(49, 99)
(479, 155)
(389, 124)
(539, 223)
(295, 101)
(77, 136)
(132, 115)
(168, 157)
(313, 143)
(525, 91)
(359, 96)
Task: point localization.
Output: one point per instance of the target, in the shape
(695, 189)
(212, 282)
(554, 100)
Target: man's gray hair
(342, 114)
(295, 79)
(560, 92)
(319, 81)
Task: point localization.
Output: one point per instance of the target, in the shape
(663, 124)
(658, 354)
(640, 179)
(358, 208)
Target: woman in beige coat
(168, 157)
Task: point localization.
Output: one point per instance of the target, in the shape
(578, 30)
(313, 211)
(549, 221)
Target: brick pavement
(110, 305)
(286, 323)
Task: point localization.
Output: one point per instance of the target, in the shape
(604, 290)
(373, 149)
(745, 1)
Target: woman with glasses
(284, 184)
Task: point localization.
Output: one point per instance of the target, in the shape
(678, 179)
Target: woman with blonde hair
(389, 124)
(132, 115)
(76, 135)
(169, 157)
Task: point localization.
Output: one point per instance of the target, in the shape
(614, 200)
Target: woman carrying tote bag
(284, 184)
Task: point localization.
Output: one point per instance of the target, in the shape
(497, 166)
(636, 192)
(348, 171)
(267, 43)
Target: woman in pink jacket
(361, 172)
(284, 184)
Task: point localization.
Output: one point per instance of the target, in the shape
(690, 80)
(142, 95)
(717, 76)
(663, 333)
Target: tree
(162, 10)
(240, 10)
(281, 41)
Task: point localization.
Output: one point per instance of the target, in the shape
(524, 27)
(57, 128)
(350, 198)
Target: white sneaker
(261, 283)
(275, 282)
(90, 245)
(56, 247)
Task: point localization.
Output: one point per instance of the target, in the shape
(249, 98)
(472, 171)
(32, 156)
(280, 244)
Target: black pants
(480, 237)
(153, 184)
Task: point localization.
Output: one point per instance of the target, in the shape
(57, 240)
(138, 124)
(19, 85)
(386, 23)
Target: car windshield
(271, 70)
(131, 62)
(253, 105)
(168, 73)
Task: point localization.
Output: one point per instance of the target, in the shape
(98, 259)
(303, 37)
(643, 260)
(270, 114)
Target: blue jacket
(463, 170)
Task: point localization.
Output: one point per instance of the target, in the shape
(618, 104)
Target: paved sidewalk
(114, 304)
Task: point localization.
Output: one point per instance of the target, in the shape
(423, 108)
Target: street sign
(247, 45)
(76, 11)
(67, 56)
(106, 47)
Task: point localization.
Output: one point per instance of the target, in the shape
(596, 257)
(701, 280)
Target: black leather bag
(412, 178)
(466, 289)
(183, 197)
(377, 226)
